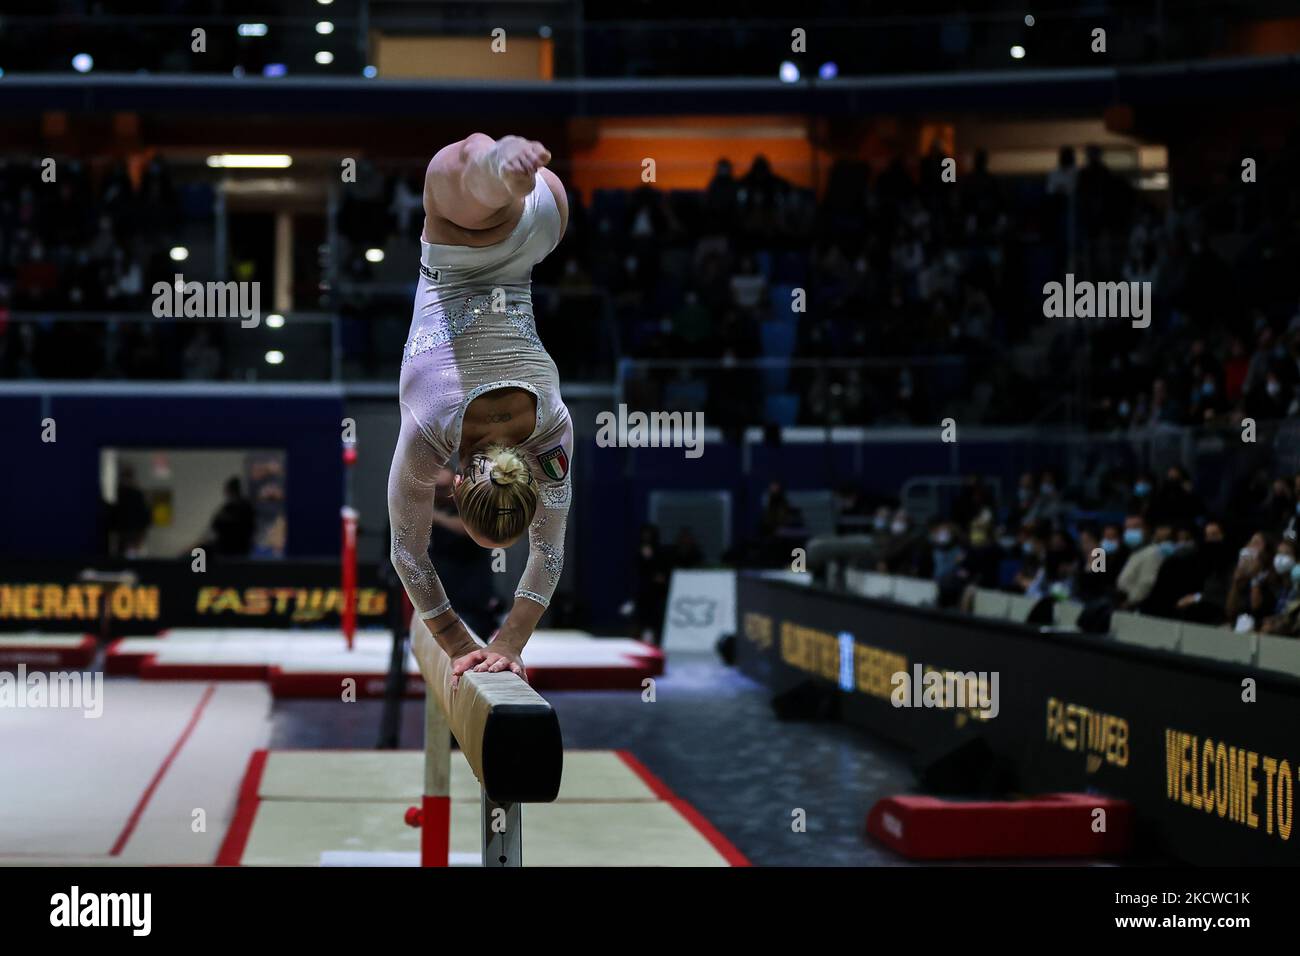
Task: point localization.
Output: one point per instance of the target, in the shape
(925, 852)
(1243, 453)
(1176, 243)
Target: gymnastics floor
(179, 773)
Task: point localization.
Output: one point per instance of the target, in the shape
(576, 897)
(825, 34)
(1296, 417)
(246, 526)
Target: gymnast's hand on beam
(499, 656)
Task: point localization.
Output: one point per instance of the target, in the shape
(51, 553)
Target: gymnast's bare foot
(518, 160)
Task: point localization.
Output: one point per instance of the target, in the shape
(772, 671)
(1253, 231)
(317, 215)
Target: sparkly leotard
(473, 331)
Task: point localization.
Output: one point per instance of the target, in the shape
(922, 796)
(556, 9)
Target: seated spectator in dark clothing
(1175, 502)
(780, 526)
(1062, 553)
(1032, 579)
(1098, 566)
(853, 513)
(906, 549)
(1181, 574)
(1209, 604)
(233, 524)
(1280, 505)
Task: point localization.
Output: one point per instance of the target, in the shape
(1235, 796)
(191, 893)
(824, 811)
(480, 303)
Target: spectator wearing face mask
(906, 550)
(880, 522)
(1139, 574)
(1116, 551)
(1181, 574)
(1279, 582)
(1048, 506)
(1031, 580)
(946, 553)
(1286, 620)
(1249, 597)
(1143, 486)
(1207, 399)
(1270, 399)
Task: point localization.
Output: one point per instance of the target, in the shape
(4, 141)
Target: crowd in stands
(894, 298)
(1165, 554)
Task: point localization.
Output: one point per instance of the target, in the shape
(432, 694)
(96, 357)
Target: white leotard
(473, 331)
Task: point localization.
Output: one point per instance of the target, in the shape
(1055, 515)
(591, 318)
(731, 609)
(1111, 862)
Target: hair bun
(508, 468)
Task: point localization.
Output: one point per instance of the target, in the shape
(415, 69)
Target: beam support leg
(503, 836)
(435, 830)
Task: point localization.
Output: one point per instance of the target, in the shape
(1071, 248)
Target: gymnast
(478, 386)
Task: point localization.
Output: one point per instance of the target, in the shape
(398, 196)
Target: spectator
(1139, 574)
(652, 573)
(131, 517)
(234, 523)
(1181, 574)
(1250, 598)
(1175, 502)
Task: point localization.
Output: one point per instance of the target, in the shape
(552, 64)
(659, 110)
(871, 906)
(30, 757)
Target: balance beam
(509, 735)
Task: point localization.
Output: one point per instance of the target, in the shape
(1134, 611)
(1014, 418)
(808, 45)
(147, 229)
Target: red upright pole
(348, 613)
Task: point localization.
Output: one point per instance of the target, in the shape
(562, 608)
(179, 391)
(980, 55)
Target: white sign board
(701, 608)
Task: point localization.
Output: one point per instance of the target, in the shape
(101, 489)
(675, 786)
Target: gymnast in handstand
(477, 387)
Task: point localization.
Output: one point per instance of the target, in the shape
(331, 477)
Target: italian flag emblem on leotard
(554, 462)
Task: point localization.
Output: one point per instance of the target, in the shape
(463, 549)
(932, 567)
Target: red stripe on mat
(241, 824)
(693, 816)
(134, 819)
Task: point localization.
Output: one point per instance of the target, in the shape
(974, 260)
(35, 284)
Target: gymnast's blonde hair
(497, 497)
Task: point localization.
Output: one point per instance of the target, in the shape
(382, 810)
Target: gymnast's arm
(475, 183)
(542, 572)
(411, 482)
